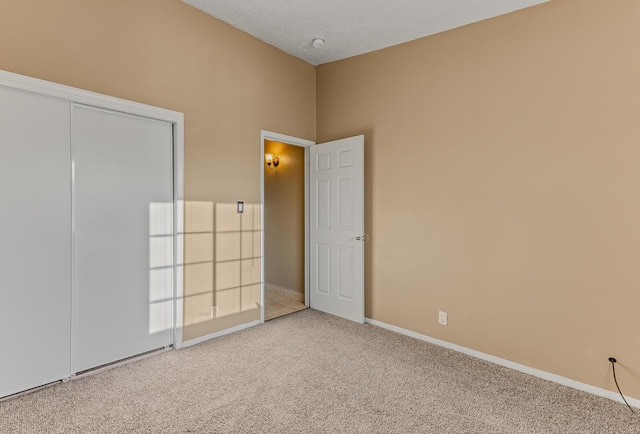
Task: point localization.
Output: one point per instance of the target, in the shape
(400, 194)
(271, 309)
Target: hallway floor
(277, 306)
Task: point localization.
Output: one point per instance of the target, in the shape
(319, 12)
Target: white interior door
(337, 228)
(122, 236)
(35, 234)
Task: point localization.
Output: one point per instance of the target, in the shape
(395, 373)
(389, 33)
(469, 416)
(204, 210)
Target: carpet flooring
(313, 373)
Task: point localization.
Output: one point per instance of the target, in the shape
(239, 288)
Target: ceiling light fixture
(317, 43)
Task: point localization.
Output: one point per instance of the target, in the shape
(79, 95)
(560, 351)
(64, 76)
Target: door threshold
(121, 362)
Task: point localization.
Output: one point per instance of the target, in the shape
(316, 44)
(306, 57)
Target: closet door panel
(35, 240)
(123, 245)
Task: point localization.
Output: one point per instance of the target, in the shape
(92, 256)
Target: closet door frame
(79, 96)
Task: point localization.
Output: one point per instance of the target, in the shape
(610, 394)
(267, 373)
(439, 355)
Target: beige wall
(502, 184)
(284, 217)
(501, 157)
(168, 54)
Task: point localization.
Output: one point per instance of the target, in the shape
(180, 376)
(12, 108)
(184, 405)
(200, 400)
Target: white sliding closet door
(35, 233)
(122, 236)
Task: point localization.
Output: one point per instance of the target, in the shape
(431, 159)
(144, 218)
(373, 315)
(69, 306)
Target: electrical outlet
(214, 312)
(443, 318)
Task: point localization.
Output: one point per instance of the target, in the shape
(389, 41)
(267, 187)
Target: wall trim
(508, 364)
(208, 337)
(81, 96)
(284, 292)
(283, 138)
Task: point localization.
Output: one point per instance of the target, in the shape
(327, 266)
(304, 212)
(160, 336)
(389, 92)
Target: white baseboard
(508, 364)
(220, 333)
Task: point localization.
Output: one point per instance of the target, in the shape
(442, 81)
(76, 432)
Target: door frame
(85, 97)
(306, 144)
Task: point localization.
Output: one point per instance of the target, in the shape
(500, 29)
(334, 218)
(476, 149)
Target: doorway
(284, 192)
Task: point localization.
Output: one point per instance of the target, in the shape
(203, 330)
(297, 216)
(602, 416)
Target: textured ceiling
(350, 27)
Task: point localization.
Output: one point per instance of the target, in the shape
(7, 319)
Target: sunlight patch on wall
(160, 267)
(198, 261)
(222, 265)
(238, 258)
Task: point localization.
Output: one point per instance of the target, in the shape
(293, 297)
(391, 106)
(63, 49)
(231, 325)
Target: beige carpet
(313, 373)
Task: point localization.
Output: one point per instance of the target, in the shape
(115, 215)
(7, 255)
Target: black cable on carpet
(613, 366)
